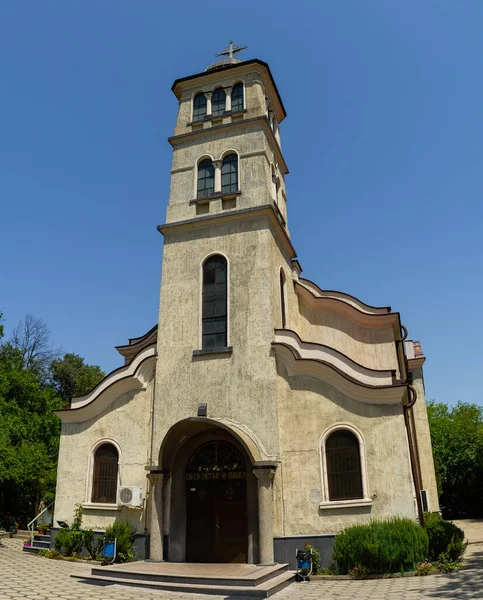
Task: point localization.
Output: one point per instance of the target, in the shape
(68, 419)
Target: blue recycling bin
(109, 552)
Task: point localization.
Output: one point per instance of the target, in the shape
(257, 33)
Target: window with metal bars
(344, 472)
(229, 174)
(218, 102)
(104, 484)
(237, 98)
(214, 309)
(206, 179)
(199, 107)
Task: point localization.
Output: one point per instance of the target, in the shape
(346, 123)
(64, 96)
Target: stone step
(173, 573)
(31, 549)
(42, 538)
(264, 590)
(41, 544)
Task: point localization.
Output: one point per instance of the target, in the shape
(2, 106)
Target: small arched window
(206, 179)
(199, 107)
(104, 484)
(229, 174)
(214, 309)
(218, 102)
(237, 98)
(344, 473)
(282, 298)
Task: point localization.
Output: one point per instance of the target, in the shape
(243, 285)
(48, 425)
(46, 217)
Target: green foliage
(29, 429)
(457, 440)
(71, 376)
(55, 554)
(424, 568)
(446, 565)
(94, 547)
(381, 547)
(69, 541)
(122, 531)
(444, 538)
(316, 566)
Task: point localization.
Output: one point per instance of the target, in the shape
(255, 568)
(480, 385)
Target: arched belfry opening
(211, 500)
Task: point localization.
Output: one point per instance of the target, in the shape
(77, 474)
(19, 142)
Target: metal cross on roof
(231, 50)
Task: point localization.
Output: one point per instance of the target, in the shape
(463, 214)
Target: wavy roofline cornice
(340, 361)
(365, 319)
(352, 300)
(133, 376)
(137, 344)
(319, 369)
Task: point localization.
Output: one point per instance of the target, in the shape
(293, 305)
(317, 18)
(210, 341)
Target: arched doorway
(216, 504)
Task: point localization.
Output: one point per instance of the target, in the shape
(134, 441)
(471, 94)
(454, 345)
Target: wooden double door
(216, 505)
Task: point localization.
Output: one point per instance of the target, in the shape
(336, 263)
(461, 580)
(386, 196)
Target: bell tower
(227, 254)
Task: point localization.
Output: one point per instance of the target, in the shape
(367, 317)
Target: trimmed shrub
(390, 546)
(123, 532)
(444, 538)
(69, 541)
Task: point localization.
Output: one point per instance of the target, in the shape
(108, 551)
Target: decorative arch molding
(90, 471)
(180, 431)
(320, 369)
(326, 502)
(131, 377)
(352, 300)
(349, 310)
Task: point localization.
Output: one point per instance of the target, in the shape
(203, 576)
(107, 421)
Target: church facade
(262, 411)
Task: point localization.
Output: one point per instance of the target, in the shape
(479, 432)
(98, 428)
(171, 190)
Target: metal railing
(31, 525)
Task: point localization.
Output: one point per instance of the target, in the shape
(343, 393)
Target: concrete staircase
(41, 542)
(235, 580)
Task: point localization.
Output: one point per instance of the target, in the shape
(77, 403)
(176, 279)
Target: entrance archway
(216, 504)
(201, 448)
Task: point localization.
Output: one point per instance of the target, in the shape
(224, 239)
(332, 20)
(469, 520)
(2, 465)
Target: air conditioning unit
(130, 496)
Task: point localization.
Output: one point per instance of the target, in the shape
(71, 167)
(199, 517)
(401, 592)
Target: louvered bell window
(343, 466)
(214, 319)
(104, 485)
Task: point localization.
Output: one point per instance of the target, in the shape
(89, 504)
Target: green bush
(69, 541)
(390, 546)
(316, 567)
(444, 538)
(123, 533)
(94, 547)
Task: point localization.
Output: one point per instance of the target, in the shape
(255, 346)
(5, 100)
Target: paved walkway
(28, 576)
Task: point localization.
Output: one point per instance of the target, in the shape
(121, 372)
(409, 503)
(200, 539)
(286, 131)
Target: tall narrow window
(237, 98)
(218, 102)
(344, 472)
(199, 107)
(214, 316)
(229, 173)
(206, 179)
(282, 298)
(104, 484)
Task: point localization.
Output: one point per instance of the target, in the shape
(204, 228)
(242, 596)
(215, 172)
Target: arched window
(214, 309)
(282, 298)
(229, 173)
(218, 102)
(344, 473)
(104, 484)
(237, 98)
(199, 107)
(206, 179)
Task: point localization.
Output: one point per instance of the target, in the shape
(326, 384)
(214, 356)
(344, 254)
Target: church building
(262, 411)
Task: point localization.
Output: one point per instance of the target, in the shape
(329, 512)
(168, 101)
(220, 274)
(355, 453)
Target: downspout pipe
(412, 453)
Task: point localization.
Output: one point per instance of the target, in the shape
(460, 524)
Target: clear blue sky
(383, 139)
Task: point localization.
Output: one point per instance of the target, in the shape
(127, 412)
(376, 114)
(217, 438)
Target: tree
(71, 376)
(457, 439)
(31, 338)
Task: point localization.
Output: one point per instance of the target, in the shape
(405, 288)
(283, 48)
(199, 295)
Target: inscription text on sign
(224, 475)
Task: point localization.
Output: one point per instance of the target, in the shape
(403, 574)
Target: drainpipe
(148, 494)
(412, 442)
(412, 453)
